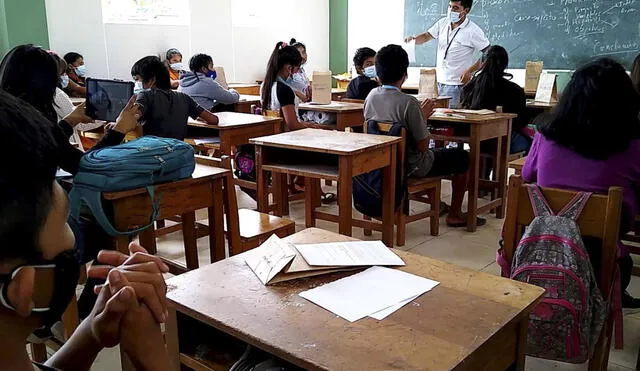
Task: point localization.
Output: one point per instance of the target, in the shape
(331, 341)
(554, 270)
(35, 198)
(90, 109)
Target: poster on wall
(156, 12)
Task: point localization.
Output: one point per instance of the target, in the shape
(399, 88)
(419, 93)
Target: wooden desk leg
(341, 122)
(231, 213)
(171, 336)
(474, 173)
(502, 175)
(281, 194)
(263, 197)
(522, 343)
(389, 200)
(190, 242)
(345, 198)
(148, 240)
(310, 203)
(498, 170)
(216, 224)
(122, 244)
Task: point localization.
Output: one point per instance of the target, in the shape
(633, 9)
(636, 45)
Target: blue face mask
(454, 17)
(81, 71)
(371, 72)
(212, 73)
(64, 81)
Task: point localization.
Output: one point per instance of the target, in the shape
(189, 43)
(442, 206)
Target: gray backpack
(566, 324)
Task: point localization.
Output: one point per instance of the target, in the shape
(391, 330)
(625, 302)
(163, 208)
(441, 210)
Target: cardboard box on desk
(428, 87)
(533, 70)
(321, 88)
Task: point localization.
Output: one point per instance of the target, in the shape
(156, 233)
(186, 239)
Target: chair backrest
(600, 218)
(384, 128)
(271, 113)
(348, 100)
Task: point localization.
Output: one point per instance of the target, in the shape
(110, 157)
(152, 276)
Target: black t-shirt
(507, 94)
(285, 94)
(360, 87)
(165, 113)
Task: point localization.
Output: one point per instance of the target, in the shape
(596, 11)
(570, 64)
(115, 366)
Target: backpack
(566, 324)
(245, 163)
(139, 163)
(367, 187)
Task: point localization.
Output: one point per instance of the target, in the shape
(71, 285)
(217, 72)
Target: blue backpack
(140, 163)
(367, 188)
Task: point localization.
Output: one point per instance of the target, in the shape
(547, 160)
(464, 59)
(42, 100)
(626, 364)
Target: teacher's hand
(466, 76)
(409, 39)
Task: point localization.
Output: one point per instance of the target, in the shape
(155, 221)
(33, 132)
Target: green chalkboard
(562, 33)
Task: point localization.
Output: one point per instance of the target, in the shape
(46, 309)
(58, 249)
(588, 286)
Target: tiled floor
(473, 250)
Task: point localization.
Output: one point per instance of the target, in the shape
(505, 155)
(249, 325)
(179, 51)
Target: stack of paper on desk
(377, 292)
(277, 261)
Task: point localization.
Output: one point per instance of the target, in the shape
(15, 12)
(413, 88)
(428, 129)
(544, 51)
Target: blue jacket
(205, 91)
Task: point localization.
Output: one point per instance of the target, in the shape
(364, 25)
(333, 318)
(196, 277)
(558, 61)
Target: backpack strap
(93, 199)
(538, 202)
(573, 208)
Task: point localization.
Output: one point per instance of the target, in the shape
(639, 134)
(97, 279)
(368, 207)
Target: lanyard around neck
(391, 87)
(446, 52)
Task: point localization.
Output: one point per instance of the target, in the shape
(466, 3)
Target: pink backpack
(566, 324)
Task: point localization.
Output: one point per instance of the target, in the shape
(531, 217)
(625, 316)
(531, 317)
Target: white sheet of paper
(545, 87)
(211, 140)
(62, 174)
(349, 254)
(389, 311)
(267, 260)
(368, 292)
(410, 48)
(473, 111)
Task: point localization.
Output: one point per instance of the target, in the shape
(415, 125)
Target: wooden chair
(600, 218)
(256, 228)
(518, 164)
(425, 190)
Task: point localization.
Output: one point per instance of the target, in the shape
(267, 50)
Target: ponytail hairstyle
(282, 55)
(199, 61)
(481, 89)
(296, 44)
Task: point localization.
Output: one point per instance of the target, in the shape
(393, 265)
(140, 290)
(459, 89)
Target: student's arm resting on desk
(221, 95)
(197, 112)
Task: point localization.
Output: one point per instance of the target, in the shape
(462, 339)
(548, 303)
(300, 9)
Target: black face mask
(66, 274)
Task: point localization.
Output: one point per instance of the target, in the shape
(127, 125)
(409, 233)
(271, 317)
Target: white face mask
(81, 71)
(138, 88)
(176, 66)
(454, 17)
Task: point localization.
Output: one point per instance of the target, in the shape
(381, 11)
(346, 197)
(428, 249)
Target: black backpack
(367, 188)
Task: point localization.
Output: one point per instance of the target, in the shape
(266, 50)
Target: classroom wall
(22, 22)
(239, 34)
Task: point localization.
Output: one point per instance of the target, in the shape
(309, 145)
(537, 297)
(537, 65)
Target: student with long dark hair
(490, 88)
(299, 81)
(201, 85)
(165, 113)
(277, 95)
(635, 73)
(585, 145)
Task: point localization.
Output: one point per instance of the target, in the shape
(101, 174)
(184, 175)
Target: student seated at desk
(30, 73)
(165, 113)
(635, 73)
(389, 104)
(39, 271)
(489, 88)
(277, 95)
(299, 81)
(587, 146)
(365, 63)
(64, 107)
(201, 85)
(76, 70)
(173, 62)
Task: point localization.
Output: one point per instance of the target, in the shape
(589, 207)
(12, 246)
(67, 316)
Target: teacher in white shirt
(458, 39)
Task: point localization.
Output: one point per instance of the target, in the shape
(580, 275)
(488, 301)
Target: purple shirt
(553, 166)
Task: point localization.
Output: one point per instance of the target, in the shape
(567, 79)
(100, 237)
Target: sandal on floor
(329, 198)
(479, 223)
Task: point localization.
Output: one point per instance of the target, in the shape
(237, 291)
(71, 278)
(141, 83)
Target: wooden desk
(348, 114)
(517, 165)
(474, 129)
(441, 102)
(245, 89)
(532, 104)
(337, 93)
(77, 101)
(209, 188)
(332, 155)
(411, 88)
(245, 103)
(471, 321)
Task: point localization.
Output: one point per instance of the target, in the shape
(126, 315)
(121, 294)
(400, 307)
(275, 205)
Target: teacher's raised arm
(459, 38)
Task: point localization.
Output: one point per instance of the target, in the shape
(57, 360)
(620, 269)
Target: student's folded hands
(142, 272)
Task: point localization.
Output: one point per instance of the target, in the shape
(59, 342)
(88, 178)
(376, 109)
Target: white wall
(242, 49)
